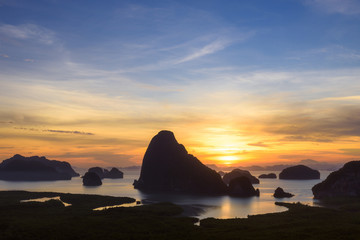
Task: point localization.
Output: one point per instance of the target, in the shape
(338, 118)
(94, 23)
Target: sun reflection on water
(226, 208)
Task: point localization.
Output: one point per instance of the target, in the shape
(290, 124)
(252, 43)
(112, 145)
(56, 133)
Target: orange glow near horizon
(228, 160)
(212, 147)
(253, 142)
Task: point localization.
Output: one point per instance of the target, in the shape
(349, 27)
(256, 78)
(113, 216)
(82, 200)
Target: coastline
(224, 206)
(50, 220)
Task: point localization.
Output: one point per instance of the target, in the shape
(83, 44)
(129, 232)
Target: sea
(196, 206)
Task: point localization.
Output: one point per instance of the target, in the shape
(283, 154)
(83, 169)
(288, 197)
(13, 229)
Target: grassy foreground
(51, 220)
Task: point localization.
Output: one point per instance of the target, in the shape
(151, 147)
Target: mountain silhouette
(20, 168)
(91, 179)
(344, 182)
(167, 167)
(299, 172)
(235, 173)
(104, 173)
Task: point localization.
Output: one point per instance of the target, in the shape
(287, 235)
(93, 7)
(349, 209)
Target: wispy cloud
(54, 131)
(71, 140)
(330, 53)
(300, 138)
(70, 132)
(325, 125)
(258, 144)
(351, 151)
(29, 31)
(222, 41)
(102, 158)
(345, 98)
(29, 60)
(6, 122)
(28, 129)
(210, 48)
(347, 7)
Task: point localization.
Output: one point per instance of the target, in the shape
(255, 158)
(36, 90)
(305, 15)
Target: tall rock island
(167, 167)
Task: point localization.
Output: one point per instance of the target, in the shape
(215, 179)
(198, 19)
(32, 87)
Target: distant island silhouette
(269, 175)
(279, 167)
(299, 172)
(20, 168)
(235, 173)
(104, 173)
(94, 175)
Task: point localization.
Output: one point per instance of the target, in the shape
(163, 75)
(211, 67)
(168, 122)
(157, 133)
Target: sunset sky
(238, 82)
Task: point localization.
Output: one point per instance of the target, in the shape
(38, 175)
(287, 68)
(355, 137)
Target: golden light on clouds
(87, 128)
(228, 94)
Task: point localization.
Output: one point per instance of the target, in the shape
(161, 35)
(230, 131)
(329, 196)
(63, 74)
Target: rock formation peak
(167, 167)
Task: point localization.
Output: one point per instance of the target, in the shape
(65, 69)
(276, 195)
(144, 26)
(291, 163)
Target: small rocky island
(20, 168)
(168, 167)
(91, 179)
(270, 175)
(344, 182)
(280, 193)
(242, 187)
(299, 172)
(240, 173)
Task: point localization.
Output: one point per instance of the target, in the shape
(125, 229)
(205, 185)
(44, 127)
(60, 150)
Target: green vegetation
(51, 220)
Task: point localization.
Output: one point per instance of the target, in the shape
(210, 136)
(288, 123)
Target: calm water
(218, 207)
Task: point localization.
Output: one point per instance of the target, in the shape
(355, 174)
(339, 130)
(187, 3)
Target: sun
(228, 159)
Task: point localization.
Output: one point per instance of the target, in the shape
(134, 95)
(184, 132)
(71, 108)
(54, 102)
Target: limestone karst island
(173, 119)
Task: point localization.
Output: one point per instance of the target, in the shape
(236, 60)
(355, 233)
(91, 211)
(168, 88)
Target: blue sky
(117, 35)
(199, 65)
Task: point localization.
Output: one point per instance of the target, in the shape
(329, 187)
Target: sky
(251, 82)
